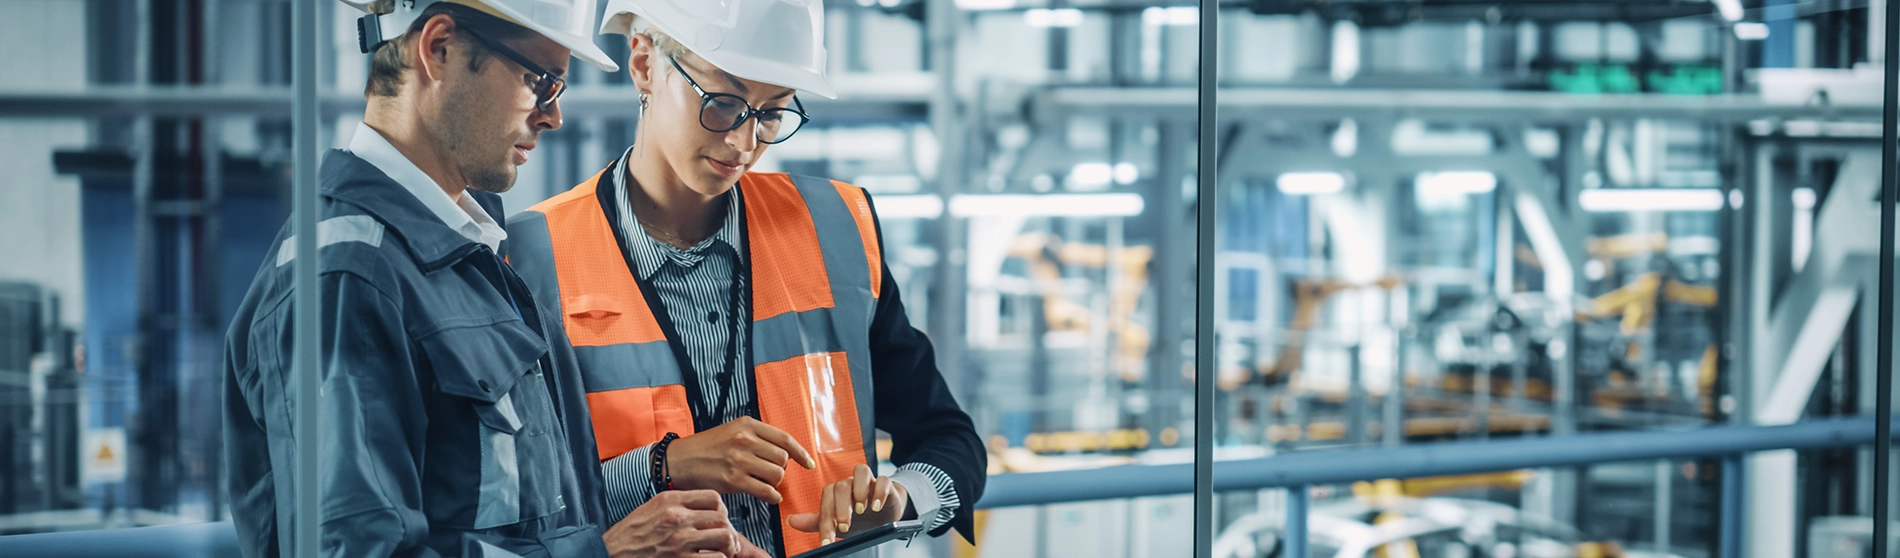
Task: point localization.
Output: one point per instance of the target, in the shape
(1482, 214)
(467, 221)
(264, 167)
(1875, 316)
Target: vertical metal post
(1393, 433)
(1729, 544)
(1299, 501)
(305, 366)
(1356, 410)
(1883, 360)
(1665, 493)
(144, 235)
(949, 293)
(1207, 211)
(1481, 400)
(1172, 305)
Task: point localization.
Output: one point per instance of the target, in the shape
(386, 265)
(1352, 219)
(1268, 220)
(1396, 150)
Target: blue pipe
(1729, 542)
(1299, 501)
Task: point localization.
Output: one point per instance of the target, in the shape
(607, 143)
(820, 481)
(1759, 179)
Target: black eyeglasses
(724, 112)
(547, 86)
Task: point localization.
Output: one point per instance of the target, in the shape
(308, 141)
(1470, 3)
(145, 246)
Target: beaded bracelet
(662, 475)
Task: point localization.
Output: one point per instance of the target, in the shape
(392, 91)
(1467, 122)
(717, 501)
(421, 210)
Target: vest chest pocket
(496, 371)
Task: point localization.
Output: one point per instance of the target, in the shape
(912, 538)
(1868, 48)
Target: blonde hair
(664, 43)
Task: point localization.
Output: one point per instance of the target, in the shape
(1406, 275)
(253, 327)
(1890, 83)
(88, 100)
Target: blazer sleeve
(915, 406)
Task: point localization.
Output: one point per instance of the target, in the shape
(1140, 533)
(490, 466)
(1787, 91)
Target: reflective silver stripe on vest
(628, 365)
(794, 334)
(603, 368)
(850, 317)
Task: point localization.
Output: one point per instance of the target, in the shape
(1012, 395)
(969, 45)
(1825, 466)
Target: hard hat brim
(627, 17)
(581, 46)
(765, 72)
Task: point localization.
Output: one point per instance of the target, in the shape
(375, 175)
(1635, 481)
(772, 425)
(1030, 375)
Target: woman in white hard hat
(728, 322)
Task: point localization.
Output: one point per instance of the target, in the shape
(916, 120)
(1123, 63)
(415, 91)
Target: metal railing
(1296, 471)
(1299, 471)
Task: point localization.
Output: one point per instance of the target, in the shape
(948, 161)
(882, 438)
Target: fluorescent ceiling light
(1047, 205)
(1751, 31)
(1453, 183)
(1062, 17)
(1803, 198)
(911, 206)
(1731, 10)
(1651, 199)
(1305, 183)
(986, 4)
(1126, 173)
(1179, 15)
(1091, 174)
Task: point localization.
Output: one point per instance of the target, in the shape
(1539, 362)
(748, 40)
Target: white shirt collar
(461, 214)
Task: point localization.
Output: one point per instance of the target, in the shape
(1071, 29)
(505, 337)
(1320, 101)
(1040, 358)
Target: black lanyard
(724, 378)
(706, 414)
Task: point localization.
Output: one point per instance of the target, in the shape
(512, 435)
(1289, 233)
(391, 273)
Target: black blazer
(915, 406)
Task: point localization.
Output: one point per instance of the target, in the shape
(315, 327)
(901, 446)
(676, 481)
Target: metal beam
(257, 100)
(1464, 105)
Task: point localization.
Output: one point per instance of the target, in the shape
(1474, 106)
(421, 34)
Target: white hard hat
(781, 42)
(563, 21)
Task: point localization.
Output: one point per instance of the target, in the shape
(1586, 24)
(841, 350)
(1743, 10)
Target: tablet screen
(876, 536)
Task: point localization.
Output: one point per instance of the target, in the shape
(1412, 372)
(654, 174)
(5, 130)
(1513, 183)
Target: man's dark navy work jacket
(448, 428)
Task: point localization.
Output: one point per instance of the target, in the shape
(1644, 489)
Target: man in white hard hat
(449, 427)
(729, 323)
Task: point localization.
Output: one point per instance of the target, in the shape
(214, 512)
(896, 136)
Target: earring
(643, 101)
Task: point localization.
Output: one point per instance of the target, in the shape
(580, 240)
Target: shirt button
(482, 384)
(712, 317)
(744, 512)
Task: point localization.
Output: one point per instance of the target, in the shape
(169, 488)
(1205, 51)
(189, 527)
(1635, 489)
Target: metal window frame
(1206, 206)
(305, 366)
(1883, 367)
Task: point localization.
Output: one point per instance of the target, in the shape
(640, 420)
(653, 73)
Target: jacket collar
(350, 179)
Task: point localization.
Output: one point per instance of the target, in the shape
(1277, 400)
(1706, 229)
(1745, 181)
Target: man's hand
(679, 523)
(859, 502)
(744, 456)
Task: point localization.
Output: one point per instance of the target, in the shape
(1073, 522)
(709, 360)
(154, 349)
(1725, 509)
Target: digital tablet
(876, 536)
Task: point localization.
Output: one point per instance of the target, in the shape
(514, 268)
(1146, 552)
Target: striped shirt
(695, 285)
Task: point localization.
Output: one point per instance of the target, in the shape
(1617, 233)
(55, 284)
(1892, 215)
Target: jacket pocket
(482, 363)
(485, 366)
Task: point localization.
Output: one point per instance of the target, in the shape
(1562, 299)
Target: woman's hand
(744, 456)
(859, 502)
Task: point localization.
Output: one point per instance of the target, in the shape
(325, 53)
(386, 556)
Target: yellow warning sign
(103, 449)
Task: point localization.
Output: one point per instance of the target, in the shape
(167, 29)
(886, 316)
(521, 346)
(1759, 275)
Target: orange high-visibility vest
(815, 270)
